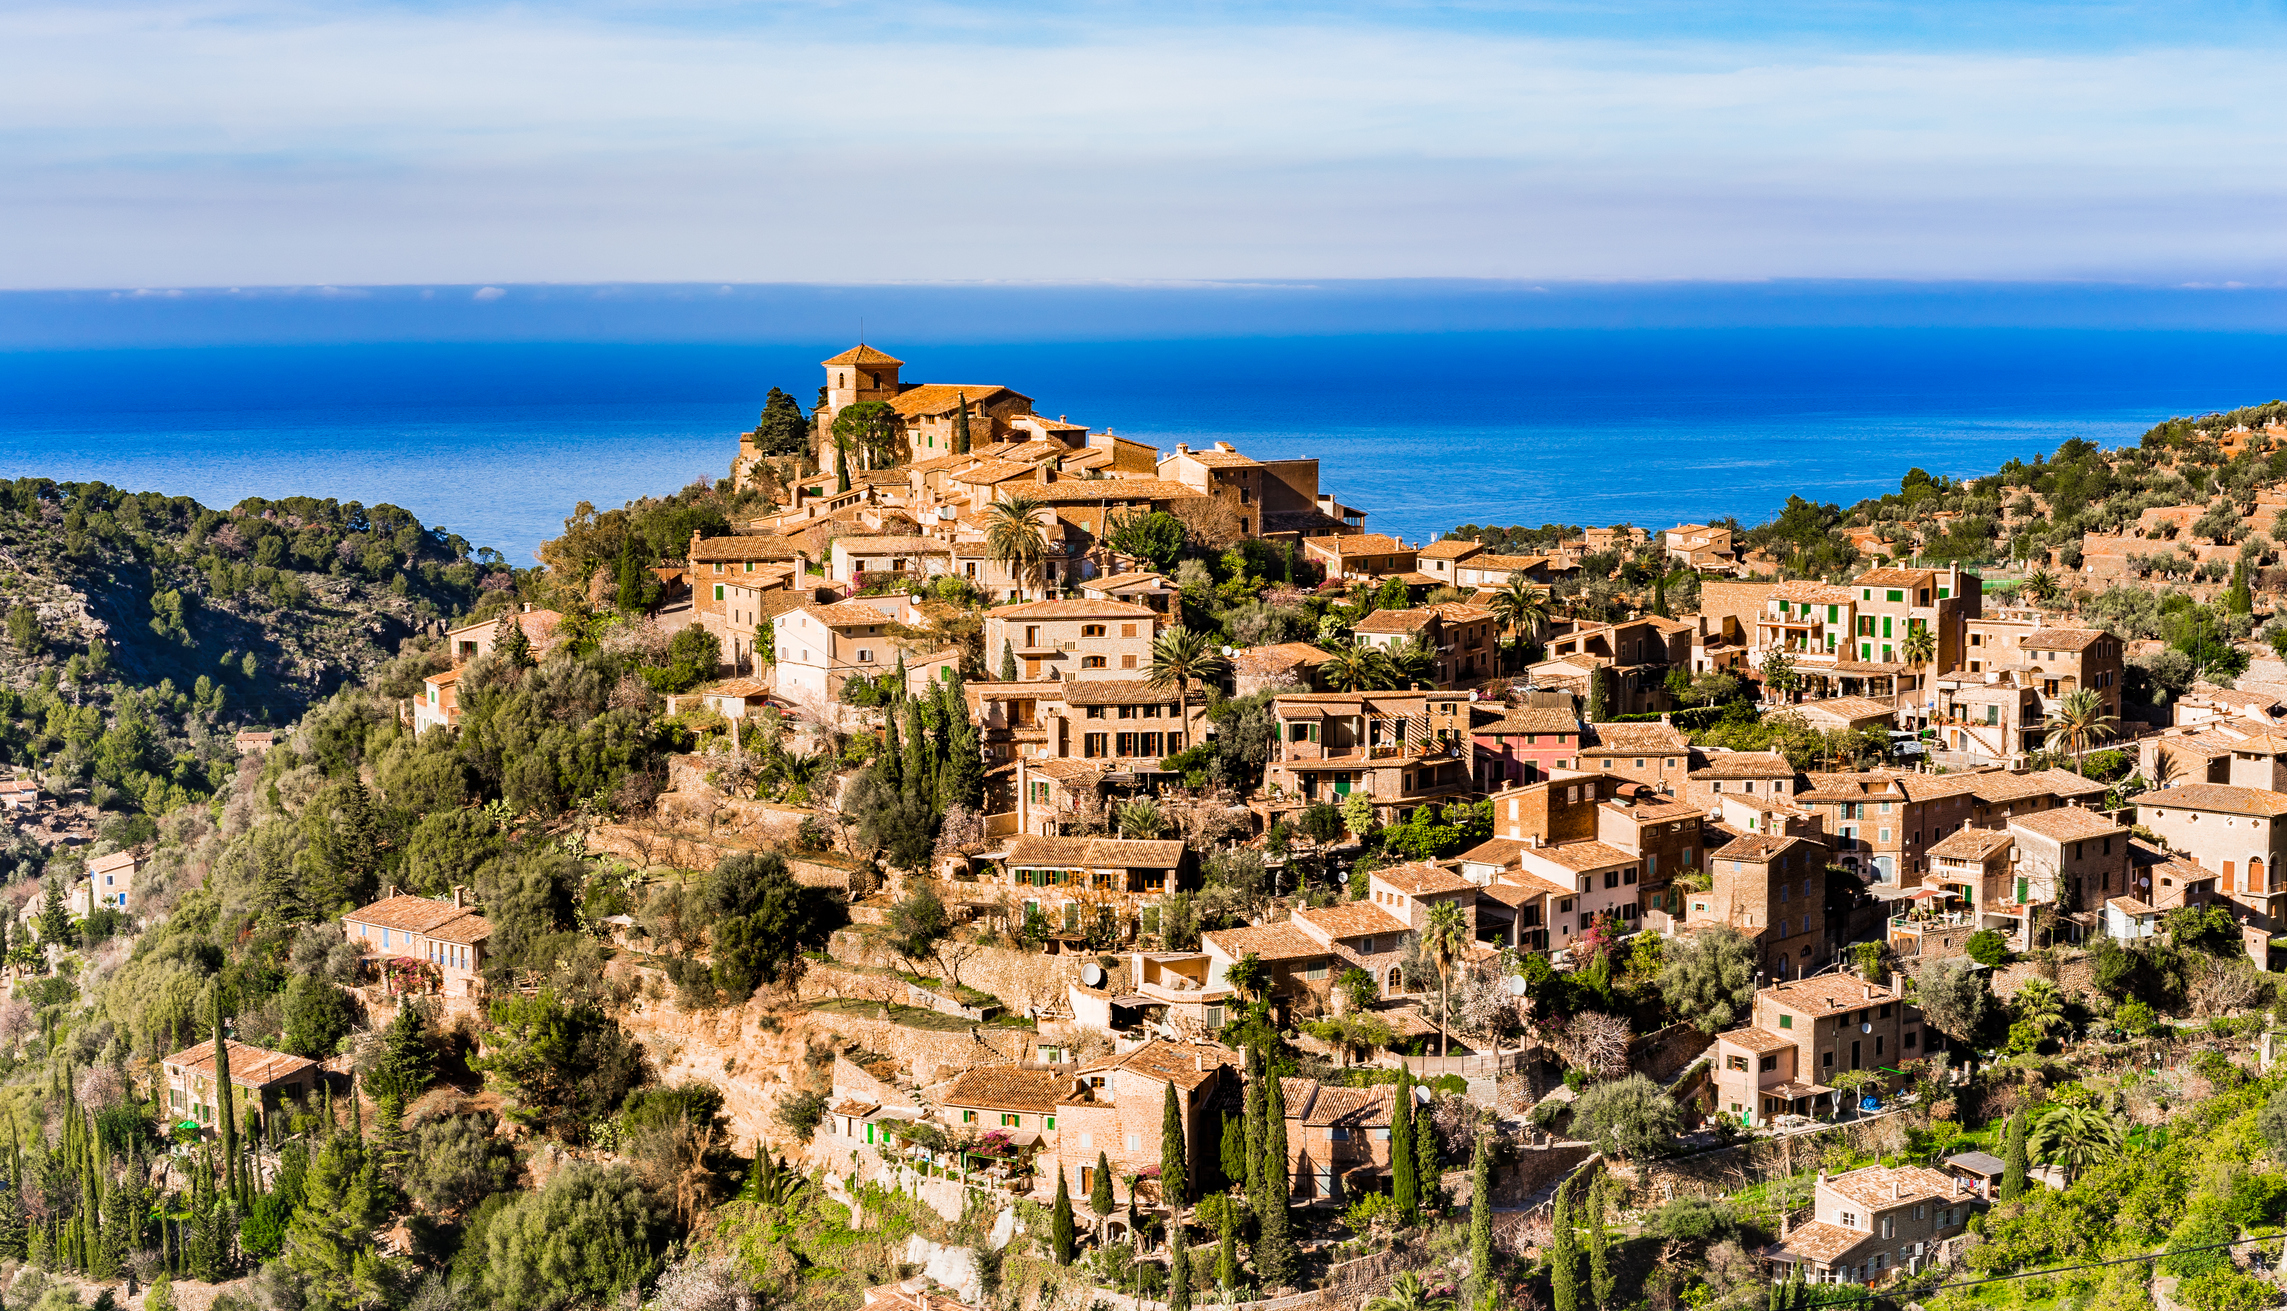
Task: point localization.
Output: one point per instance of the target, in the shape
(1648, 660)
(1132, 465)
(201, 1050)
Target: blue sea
(498, 441)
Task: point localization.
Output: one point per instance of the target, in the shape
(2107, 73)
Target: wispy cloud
(221, 144)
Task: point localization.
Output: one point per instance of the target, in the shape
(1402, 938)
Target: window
(1850, 1219)
(1011, 1121)
(1127, 630)
(1889, 1226)
(1127, 662)
(1093, 662)
(1736, 1063)
(865, 655)
(1380, 1135)
(1786, 1021)
(1770, 1063)
(718, 586)
(1091, 630)
(1135, 1142)
(968, 1117)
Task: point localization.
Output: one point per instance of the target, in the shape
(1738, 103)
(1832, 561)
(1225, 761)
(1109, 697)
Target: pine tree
(1599, 1250)
(1174, 1155)
(1178, 1266)
(1429, 1178)
(1008, 661)
(2013, 1176)
(1063, 1236)
(1100, 1192)
(1564, 1253)
(1405, 1182)
(961, 424)
(1481, 1215)
(1274, 1250)
(55, 919)
(510, 642)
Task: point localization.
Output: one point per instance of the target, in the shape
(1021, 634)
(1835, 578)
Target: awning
(1132, 1000)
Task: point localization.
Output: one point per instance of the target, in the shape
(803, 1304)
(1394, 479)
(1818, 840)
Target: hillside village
(964, 859)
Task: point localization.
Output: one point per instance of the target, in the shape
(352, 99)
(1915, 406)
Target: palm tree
(1179, 657)
(2164, 769)
(1357, 667)
(1920, 646)
(1413, 661)
(2038, 1003)
(1015, 539)
(2074, 1137)
(1409, 1293)
(1521, 609)
(2040, 584)
(2078, 717)
(1445, 939)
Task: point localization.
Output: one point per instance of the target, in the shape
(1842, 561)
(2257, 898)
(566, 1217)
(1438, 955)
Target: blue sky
(217, 143)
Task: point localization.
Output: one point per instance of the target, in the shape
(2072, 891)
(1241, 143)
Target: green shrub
(1988, 947)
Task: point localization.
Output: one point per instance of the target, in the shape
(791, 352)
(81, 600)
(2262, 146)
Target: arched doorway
(1397, 982)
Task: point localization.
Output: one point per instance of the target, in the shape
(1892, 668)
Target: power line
(2099, 1265)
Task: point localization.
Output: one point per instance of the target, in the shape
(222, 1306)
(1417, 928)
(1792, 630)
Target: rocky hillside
(272, 604)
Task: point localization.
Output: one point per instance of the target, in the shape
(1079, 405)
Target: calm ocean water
(499, 442)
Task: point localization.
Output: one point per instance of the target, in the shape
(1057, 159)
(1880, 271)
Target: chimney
(457, 891)
(1198, 1063)
(1869, 992)
(527, 607)
(1181, 448)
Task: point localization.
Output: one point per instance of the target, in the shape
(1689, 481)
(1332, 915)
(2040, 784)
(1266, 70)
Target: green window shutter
(1897, 595)
(718, 591)
(1786, 1021)
(1944, 592)
(1866, 650)
(1885, 625)
(1834, 614)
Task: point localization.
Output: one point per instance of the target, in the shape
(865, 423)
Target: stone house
(1524, 745)
(471, 640)
(2239, 834)
(1008, 1099)
(1772, 888)
(1400, 749)
(1115, 1108)
(1224, 474)
(111, 879)
(1337, 1139)
(857, 561)
(1279, 665)
(1363, 556)
(1073, 640)
(1294, 962)
(1873, 1225)
(259, 1077)
(1752, 773)
(1656, 755)
(442, 932)
(437, 705)
(819, 647)
(1802, 1032)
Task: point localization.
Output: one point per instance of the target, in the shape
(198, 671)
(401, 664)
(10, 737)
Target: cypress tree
(920, 781)
(1660, 597)
(1481, 1215)
(1253, 1110)
(1564, 1253)
(1227, 1254)
(1008, 661)
(1274, 1250)
(2013, 1176)
(889, 769)
(1062, 1235)
(1234, 1151)
(1429, 1185)
(841, 468)
(1100, 1195)
(1599, 696)
(226, 1102)
(1405, 1183)
(1599, 1251)
(1174, 1155)
(961, 424)
(15, 1228)
(1178, 1266)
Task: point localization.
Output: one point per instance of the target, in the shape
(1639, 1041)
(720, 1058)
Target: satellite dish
(1518, 985)
(1867, 1027)
(1092, 974)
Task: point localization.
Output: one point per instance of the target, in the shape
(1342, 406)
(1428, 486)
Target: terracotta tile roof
(252, 1067)
(843, 614)
(1279, 656)
(1994, 789)
(1880, 1187)
(1171, 1062)
(1500, 852)
(988, 472)
(1823, 993)
(1356, 544)
(409, 914)
(1451, 549)
(1756, 1040)
(1355, 1107)
(1852, 708)
(1533, 719)
(2061, 639)
(1080, 491)
(1416, 879)
(1866, 668)
(1395, 621)
(1117, 692)
(1640, 739)
(1892, 578)
(1133, 578)
(1515, 564)
(1214, 459)
(934, 398)
(113, 863)
(1582, 856)
(1097, 853)
(1461, 612)
(2215, 797)
(1663, 810)
(2130, 906)
(1352, 919)
(1271, 942)
(1745, 764)
(739, 549)
(1805, 590)
(1757, 846)
(1073, 609)
(1969, 844)
(1516, 889)
(1818, 1242)
(2068, 824)
(861, 354)
(467, 929)
(1007, 1088)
